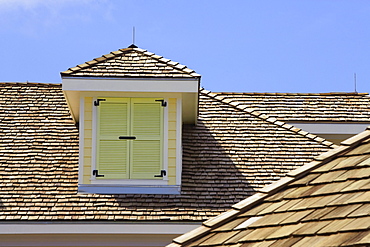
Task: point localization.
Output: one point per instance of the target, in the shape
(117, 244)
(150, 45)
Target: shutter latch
(164, 103)
(96, 174)
(163, 173)
(127, 137)
(97, 102)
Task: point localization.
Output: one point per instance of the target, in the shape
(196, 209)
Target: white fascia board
(186, 85)
(331, 128)
(91, 228)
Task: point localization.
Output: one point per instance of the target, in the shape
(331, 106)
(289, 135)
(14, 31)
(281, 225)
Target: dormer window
(129, 139)
(130, 106)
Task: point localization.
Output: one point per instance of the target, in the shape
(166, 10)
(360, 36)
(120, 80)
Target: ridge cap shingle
(269, 119)
(175, 65)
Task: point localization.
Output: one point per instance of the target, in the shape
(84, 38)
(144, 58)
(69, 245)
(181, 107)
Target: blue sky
(236, 45)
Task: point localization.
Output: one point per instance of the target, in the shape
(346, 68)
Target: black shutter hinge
(164, 103)
(163, 173)
(97, 102)
(96, 174)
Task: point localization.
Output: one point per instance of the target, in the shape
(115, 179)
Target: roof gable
(324, 203)
(132, 63)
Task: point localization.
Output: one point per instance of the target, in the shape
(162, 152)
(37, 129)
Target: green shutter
(113, 153)
(147, 126)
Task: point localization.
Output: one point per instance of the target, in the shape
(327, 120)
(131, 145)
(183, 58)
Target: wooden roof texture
(131, 63)
(298, 107)
(323, 203)
(227, 156)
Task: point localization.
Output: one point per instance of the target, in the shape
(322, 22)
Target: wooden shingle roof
(131, 63)
(298, 107)
(227, 156)
(323, 203)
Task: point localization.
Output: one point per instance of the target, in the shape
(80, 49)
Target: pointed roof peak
(131, 62)
(133, 46)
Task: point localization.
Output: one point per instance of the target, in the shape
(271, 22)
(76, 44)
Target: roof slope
(226, 157)
(324, 203)
(295, 107)
(132, 63)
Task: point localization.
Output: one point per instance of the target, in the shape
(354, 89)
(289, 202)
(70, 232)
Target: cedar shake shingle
(298, 107)
(131, 63)
(326, 204)
(227, 156)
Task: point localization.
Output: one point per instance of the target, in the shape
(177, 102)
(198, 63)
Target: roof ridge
(270, 189)
(119, 52)
(292, 94)
(269, 119)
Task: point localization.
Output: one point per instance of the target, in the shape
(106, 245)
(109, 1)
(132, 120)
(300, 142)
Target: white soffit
(332, 128)
(188, 85)
(91, 228)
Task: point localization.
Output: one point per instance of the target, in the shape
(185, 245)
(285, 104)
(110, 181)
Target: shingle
(311, 228)
(328, 207)
(131, 62)
(224, 160)
(344, 107)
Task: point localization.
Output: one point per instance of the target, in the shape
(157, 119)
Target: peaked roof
(133, 63)
(227, 156)
(297, 107)
(323, 203)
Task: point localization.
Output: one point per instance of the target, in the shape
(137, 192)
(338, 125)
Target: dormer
(130, 106)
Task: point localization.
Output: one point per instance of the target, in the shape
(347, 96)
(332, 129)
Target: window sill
(129, 182)
(128, 189)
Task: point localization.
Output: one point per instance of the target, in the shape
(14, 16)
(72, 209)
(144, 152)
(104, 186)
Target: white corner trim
(94, 228)
(179, 141)
(81, 142)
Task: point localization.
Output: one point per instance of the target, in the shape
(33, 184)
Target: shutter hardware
(97, 102)
(127, 137)
(164, 103)
(163, 173)
(96, 174)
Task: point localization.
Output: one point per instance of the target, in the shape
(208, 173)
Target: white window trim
(93, 180)
(128, 181)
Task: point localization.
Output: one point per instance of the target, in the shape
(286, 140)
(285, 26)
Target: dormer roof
(132, 70)
(131, 63)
